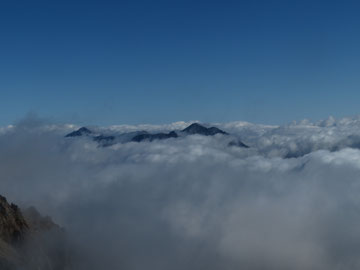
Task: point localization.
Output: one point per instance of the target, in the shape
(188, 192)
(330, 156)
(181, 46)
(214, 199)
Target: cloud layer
(291, 201)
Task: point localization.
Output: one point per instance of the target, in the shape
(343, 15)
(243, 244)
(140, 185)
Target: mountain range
(140, 136)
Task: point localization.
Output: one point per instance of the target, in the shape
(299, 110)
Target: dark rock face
(80, 132)
(13, 226)
(29, 241)
(151, 137)
(196, 128)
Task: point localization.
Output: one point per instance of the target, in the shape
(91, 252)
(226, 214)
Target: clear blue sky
(113, 62)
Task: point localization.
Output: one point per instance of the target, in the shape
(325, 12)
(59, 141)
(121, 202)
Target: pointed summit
(80, 132)
(196, 128)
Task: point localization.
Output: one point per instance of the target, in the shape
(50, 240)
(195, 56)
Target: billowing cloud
(290, 201)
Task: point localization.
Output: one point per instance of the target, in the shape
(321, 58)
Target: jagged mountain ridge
(12, 223)
(140, 136)
(29, 241)
(196, 128)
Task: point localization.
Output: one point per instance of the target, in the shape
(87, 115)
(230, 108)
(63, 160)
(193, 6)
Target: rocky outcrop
(29, 241)
(13, 226)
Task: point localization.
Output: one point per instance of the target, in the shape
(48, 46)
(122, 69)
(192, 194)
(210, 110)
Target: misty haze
(287, 200)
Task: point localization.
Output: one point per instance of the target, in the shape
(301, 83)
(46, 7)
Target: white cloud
(194, 202)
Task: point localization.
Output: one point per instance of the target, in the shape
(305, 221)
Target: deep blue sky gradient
(114, 62)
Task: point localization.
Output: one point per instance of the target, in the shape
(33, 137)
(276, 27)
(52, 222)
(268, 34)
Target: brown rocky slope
(29, 241)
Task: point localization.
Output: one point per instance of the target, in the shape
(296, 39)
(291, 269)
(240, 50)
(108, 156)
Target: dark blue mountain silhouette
(140, 136)
(196, 128)
(156, 136)
(80, 132)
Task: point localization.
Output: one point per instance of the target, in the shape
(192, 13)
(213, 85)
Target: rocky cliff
(29, 241)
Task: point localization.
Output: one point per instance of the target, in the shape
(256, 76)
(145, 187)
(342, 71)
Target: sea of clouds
(290, 201)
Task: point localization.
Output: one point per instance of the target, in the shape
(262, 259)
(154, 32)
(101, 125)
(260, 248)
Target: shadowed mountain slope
(151, 137)
(29, 241)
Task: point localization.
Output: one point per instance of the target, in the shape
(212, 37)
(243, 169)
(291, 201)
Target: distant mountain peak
(196, 128)
(80, 132)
